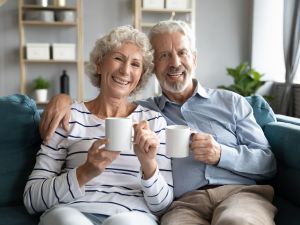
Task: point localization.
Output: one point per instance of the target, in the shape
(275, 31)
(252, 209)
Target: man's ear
(195, 59)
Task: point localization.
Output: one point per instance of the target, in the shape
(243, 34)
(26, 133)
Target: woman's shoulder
(144, 113)
(144, 110)
(79, 107)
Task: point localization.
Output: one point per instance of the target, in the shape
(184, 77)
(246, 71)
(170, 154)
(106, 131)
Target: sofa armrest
(284, 139)
(288, 119)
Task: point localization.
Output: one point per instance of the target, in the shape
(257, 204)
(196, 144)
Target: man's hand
(145, 147)
(205, 148)
(56, 112)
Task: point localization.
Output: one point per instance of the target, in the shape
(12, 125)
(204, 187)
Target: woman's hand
(97, 160)
(56, 112)
(145, 147)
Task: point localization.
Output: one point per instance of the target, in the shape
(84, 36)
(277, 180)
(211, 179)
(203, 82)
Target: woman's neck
(110, 107)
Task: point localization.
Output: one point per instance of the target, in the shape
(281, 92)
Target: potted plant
(246, 80)
(41, 89)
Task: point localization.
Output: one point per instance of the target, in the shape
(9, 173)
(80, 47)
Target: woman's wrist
(84, 175)
(148, 169)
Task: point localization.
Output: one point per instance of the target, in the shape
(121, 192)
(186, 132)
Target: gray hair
(113, 40)
(170, 26)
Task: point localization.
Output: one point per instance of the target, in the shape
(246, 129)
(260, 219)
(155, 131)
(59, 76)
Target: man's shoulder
(150, 103)
(224, 95)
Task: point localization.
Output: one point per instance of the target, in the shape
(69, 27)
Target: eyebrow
(120, 53)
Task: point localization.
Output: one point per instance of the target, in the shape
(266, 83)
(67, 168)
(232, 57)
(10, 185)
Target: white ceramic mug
(118, 131)
(178, 141)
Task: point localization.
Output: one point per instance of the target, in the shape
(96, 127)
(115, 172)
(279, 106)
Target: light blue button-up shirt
(228, 117)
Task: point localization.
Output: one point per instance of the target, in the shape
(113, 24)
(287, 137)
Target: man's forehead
(169, 41)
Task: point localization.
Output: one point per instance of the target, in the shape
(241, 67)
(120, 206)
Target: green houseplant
(41, 86)
(40, 83)
(246, 80)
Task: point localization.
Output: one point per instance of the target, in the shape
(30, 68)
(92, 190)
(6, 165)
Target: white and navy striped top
(118, 189)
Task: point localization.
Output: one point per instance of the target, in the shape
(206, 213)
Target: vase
(41, 95)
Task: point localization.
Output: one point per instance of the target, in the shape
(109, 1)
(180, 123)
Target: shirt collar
(198, 90)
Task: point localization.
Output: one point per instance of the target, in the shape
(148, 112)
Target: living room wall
(223, 39)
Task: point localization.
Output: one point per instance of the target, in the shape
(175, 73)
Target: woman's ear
(98, 68)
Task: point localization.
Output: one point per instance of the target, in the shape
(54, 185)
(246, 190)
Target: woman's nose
(124, 68)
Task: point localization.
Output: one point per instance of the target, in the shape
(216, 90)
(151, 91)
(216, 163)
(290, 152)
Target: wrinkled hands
(205, 148)
(56, 112)
(97, 160)
(145, 148)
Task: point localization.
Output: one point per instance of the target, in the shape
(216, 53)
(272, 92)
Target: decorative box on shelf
(153, 4)
(38, 51)
(39, 15)
(177, 4)
(63, 51)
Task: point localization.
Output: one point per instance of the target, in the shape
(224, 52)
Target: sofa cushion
(19, 143)
(284, 140)
(263, 113)
(288, 213)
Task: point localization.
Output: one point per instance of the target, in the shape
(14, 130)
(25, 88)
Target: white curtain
(291, 44)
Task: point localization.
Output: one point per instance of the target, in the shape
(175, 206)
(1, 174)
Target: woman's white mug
(178, 141)
(118, 132)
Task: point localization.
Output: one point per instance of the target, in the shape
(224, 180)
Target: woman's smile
(120, 80)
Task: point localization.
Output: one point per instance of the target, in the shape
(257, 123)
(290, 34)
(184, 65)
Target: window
(267, 39)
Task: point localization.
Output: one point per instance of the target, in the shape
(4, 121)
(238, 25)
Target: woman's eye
(137, 65)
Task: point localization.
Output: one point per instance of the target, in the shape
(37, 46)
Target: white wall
(223, 38)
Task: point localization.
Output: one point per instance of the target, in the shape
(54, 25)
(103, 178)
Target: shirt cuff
(228, 156)
(151, 180)
(74, 185)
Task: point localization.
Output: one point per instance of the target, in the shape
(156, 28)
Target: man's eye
(182, 53)
(163, 56)
(118, 58)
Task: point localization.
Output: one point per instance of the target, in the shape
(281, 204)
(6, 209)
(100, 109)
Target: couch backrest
(263, 113)
(19, 142)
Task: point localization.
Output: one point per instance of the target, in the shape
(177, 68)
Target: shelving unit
(145, 17)
(78, 32)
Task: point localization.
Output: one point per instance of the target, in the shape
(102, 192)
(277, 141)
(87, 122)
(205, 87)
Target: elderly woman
(75, 179)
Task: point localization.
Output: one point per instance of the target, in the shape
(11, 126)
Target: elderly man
(216, 184)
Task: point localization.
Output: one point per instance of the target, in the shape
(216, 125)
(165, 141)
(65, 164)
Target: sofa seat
(17, 215)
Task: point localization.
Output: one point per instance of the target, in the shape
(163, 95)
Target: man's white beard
(176, 87)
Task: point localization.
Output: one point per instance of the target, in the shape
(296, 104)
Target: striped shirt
(119, 188)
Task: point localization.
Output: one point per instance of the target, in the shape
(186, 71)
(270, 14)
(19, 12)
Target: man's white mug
(178, 141)
(118, 131)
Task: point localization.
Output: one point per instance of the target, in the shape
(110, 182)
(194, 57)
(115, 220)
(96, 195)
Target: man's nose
(175, 60)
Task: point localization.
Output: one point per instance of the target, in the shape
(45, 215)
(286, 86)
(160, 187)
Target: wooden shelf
(37, 7)
(147, 17)
(77, 27)
(49, 61)
(167, 10)
(41, 23)
(42, 103)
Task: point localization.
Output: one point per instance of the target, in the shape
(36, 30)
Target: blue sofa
(20, 140)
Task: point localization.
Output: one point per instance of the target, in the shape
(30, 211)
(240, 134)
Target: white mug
(178, 141)
(118, 131)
